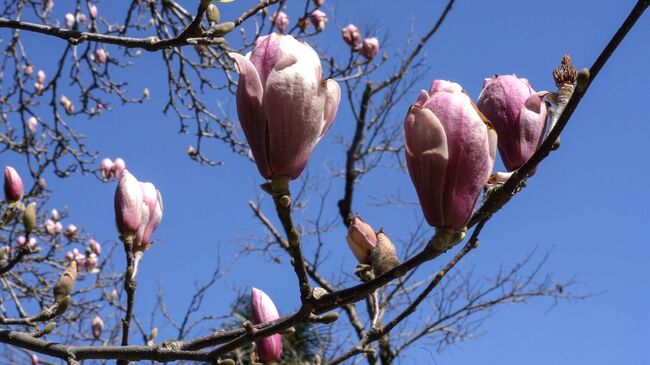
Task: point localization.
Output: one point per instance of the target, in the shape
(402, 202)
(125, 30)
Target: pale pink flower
(318, 19)
(369, 48)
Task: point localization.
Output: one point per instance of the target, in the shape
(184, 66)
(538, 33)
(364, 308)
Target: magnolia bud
(81, 17)
(58, 227)
(69, 20)
(281, 21)
(71, 231)
(90, 264)
(66, 104)
(13, 187)
(145, 93)
(95, 247)
(29, 218)
(263, 310)
(361, 239)
(32, 123)
(20, 242)
(49, 227)
(93, 11)
(54, 214)
(213, 13)
(318, 19)
(113, 294)
(352, 36)
(128, 204)
(319, 3)
(118, 167)
(106, 168)
(28, 69)
(101, 56)
(97, 327)
(40, 77)
(369, 48)
(35, 359)
(190, 150)
(64, 286)
(383, 256)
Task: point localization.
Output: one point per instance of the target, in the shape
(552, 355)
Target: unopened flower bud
(263, 310)
(71, 231)
(281, 21)
(352, 36)
(35, 360)
(95, 246)
(383, 256)
(90, 264)
(118, 167)
(40, 77)
(190, 150)
(369, 48)
(97, 327)
(54, 214)
(49, 227)
(42, 183)
(81, 17)
(28, 69)
(29, 218)
(93, 11)
(319, 3)
(113, 294)
(20, 242)
(101, 56)
(58, 227)
(32, 123)
(66, 104)
(145, 93)
(64, 285)
(69, 20)
(213, 14)
(106, 168)
(48, 5)
(361, 239)
(13, 185)
(318, 19)
(128, 204)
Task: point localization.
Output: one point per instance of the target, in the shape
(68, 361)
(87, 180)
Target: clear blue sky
(588, 202)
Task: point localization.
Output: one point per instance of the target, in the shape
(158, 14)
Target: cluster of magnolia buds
(53, 225)
(368, 48)
(370, 247)
(269, 349)
(138, 211)
(111, 169)
(450, 145)
(87, 261)
(71, 20)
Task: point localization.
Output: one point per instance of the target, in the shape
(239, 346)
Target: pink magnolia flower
(97, 327)
(281, 21)
(69, 20)
(318, 19)
(106, 168)
(361, 239)
(118, 167)
(283, 104)
(352, 36)
(128, 204)
(154, 207)
(269, 348)
(517, 113)
(450, 152)
(369, 48)
(13, 185)
(101, 56)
